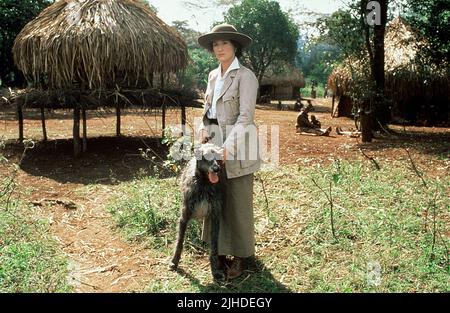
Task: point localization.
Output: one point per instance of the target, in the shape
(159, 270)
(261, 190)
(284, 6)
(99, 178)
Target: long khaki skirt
(237, 225)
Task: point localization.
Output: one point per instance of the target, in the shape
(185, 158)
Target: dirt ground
(101, 259)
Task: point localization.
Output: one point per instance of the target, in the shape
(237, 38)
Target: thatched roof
(340, 79)
(290, 77)
(404, 74)
(401, 45)
(98, 44)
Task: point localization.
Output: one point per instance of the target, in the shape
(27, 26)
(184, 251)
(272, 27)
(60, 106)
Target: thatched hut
(419, 91)
(282, 86)
(83, 54)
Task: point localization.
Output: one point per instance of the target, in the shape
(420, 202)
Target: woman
(228, 115)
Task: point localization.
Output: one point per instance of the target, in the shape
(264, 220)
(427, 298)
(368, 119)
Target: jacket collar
(229, 77)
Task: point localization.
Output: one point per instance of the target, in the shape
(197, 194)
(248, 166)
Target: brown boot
(236, 269)
(223, 263)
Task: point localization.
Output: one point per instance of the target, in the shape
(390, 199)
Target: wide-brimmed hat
(224, 32)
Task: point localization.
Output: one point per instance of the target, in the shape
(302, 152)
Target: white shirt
(212, 113)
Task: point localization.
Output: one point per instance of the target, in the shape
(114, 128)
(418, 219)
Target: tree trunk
(380, 108)
(118, 120)
(20, 118)
(76, 132)
(374, 111)
(44, 130)
(163, 118)
(366, 126)
(83, 113)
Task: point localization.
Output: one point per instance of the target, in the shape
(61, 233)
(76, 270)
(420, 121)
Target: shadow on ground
(109, 160)
(256, 279)
(435, 142)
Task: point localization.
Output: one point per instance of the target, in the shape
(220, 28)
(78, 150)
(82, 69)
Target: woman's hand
(224, 154)
(203, 136)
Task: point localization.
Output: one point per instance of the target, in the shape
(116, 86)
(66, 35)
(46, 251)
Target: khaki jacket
(235, 110)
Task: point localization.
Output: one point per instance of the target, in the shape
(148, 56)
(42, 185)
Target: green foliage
(30, 260)
(383, 216)
(196, 74)
(306, 91)
(344, 31)
(180, 149)
(317, 60)
(14, 15)
(195, 77)
(189, 35)
(273, 32)
(148, 210)
(432, 19)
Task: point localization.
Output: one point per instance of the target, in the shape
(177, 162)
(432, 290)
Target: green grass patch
(391, 232)
(30, 260)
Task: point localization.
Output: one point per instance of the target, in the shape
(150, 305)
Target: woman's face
(223, 50)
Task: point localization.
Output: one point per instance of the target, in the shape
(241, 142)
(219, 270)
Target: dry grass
(98, 44)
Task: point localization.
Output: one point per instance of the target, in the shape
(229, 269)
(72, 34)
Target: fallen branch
(414, 167)
(371, 159)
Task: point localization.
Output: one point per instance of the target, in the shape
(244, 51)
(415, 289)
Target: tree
(375, 115)
(431, 18)
(343, 29)
(317, 58)
(274, 34)
(14, 15)
(201, 61)
(189, 35)
(351, 32)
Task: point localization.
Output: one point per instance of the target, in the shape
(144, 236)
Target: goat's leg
(215, 228)
(182, 226)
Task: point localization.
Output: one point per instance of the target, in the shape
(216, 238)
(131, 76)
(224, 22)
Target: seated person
(315, 122)
(304, 125)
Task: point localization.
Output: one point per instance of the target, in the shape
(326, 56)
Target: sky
(202, 19)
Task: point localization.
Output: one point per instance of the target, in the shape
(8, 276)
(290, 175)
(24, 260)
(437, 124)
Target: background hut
(420, 91)
(84, 54)
(283, 86)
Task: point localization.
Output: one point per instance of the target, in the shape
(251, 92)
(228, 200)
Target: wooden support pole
(118, 120)
(162, 80)
(183, 117)
(20, 117)
(163, 118)
(76, 132)
(83, 113)
(332, 106)
(44, 130)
